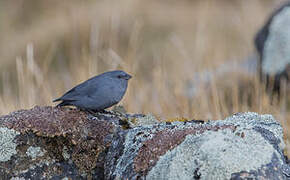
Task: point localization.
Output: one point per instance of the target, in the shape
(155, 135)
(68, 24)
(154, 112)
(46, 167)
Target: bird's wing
(77, 92)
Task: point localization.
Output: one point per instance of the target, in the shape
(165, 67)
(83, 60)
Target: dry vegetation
(47, 47)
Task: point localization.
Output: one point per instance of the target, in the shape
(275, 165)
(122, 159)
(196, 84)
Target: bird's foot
(95, 113)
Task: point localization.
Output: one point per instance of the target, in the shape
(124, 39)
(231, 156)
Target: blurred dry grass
(47, 47)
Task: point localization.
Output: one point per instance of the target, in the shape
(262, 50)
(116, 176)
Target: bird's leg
(95, 112)
(104, 111)
(107, 112)
(87, 111)
(91, 111)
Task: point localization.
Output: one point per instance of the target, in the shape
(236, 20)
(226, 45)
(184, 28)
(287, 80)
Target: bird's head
(120, 75)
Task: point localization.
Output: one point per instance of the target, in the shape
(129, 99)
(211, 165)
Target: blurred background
(189, 58)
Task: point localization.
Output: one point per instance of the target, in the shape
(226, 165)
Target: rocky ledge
(63, 143)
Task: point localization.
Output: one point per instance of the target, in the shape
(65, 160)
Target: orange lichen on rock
(181, 119)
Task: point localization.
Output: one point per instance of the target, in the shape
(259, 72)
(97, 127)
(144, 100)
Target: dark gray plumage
(98, 93)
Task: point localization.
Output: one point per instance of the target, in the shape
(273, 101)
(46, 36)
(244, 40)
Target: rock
(242, 146)
(273, 45)
(55, 143)
(64, 143)
(142, 120)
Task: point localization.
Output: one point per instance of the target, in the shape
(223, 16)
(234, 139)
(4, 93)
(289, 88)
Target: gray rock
(55, 143)
(62, 143)
(242, 146)
(34, 152)
(8, 147)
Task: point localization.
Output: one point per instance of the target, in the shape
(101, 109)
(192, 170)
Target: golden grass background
(47, 47)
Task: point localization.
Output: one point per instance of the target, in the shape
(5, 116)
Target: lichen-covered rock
(142, 120)
(273, 45)
(8, 146)
(55, 143)
(242, 146)
(34, 152)
(63, 143)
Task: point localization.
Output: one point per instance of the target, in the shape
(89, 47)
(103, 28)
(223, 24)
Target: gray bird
(97, 93)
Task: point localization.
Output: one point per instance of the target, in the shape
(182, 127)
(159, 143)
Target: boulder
(273, 45)
(243, 146)
(54, 143)
(64, 143)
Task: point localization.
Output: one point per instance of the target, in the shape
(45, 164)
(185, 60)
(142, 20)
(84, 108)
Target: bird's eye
(119, 76)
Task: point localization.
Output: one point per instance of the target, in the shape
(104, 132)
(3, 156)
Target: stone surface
(52, 143)
(273, 45)
(242, 146)
(8, 146)
(64, 143)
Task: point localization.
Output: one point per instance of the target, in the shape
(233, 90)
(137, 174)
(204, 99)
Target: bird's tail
(55, 100)
(63, 103)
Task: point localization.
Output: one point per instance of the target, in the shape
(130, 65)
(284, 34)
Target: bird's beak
(128, 77)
